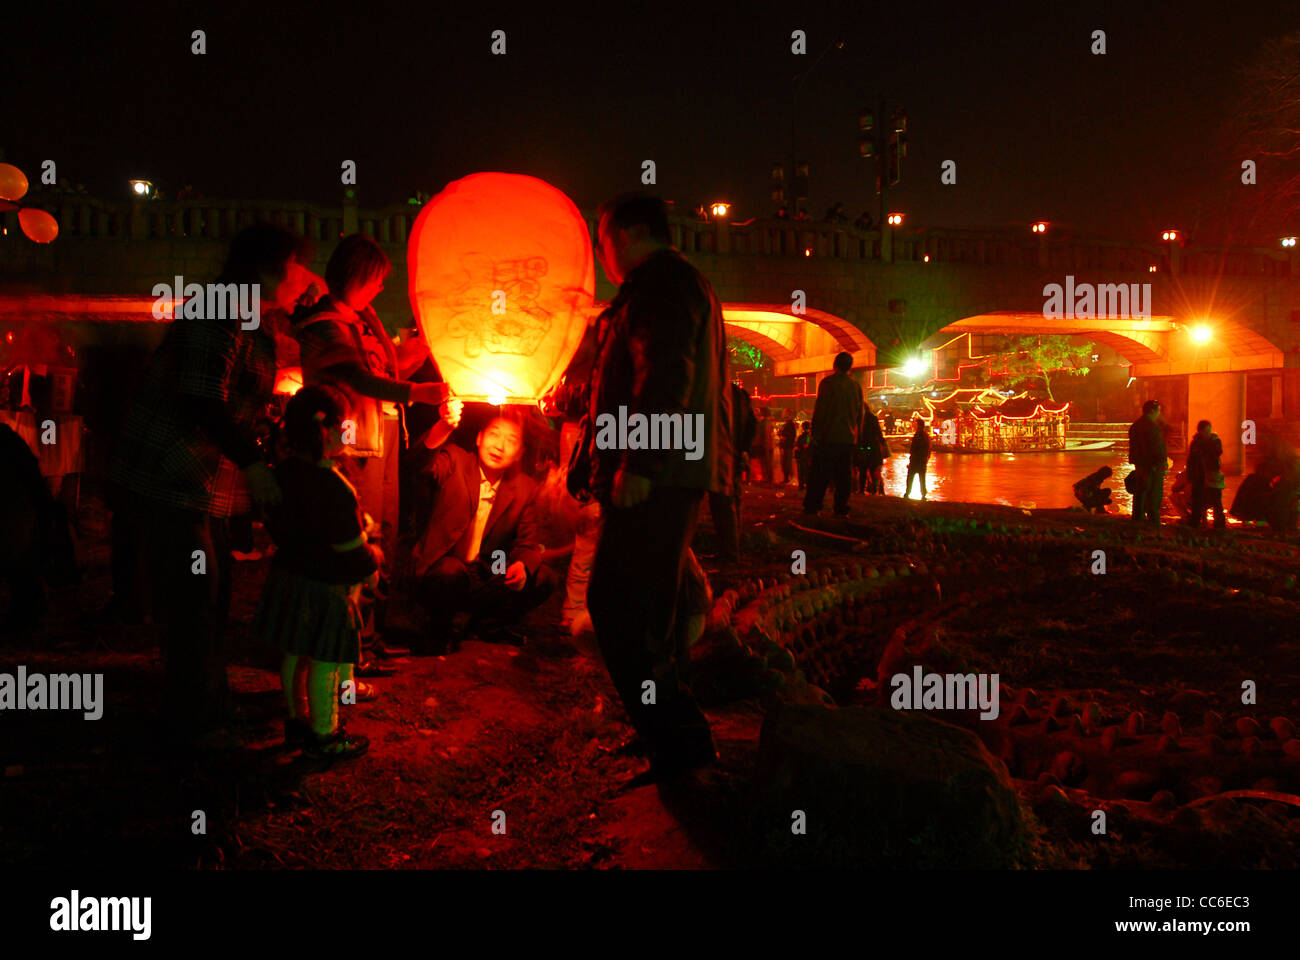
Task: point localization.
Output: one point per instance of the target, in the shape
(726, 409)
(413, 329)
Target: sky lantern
(288, 381)
(502, 283)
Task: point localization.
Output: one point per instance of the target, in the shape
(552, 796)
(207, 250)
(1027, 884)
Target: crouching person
(1090, 492)
(479, 560)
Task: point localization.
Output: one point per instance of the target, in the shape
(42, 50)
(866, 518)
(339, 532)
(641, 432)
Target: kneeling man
(480, 554)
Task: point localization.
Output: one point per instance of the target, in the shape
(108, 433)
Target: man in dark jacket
(480, 551)
(1204, 454)
(837, 417)
(663, 355)
(1148, 454)
(918, 457)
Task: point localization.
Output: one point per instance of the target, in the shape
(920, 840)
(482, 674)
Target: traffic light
(897, 145)
(867, 141)
(778, 183)
(800, 183)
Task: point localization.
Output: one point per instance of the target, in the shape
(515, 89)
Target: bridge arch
(799, 344)
(1154, 346)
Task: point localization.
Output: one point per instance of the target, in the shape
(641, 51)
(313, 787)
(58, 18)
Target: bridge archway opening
(799, 345)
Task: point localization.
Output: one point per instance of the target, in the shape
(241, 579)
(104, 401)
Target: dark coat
(838, 413)
(919, 449)
(872, 438)
(664, 351)
(1146, 445)
(512, 525)
(1203, 458)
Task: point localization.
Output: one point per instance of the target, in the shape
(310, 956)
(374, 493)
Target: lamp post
(796, 85)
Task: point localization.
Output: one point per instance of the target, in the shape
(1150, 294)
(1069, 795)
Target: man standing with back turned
(837, 417)
(1148, 454)
(663, 351)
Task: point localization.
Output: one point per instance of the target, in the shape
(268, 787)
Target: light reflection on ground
(1030, 480)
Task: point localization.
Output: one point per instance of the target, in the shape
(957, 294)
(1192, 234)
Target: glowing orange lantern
(38, 225)
(13, 182)
(502, 282)
(288, 381)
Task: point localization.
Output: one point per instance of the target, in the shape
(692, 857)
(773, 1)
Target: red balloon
(38, 225)
(13, 182)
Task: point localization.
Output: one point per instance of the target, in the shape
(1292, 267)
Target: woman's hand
(431, 393)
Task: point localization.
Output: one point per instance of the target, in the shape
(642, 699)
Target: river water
(1029, 480)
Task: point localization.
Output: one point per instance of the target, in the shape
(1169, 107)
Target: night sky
(1123, 144)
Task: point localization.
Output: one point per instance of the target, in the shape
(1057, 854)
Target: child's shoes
(339, 746)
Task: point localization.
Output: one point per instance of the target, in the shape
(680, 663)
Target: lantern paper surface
(502, 282)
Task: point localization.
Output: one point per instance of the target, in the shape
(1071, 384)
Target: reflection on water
(1029, 480)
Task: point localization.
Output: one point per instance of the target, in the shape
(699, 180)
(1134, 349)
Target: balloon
(38, 225)
(13, 182)
(502, 280)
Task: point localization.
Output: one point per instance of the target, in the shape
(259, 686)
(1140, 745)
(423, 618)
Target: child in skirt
(309, 606)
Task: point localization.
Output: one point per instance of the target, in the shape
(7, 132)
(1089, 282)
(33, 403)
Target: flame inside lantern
(502, 281)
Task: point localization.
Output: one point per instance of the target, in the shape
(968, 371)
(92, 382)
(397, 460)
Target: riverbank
(1171, 631)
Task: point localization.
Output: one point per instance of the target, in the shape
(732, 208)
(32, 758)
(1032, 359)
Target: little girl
(309, 605)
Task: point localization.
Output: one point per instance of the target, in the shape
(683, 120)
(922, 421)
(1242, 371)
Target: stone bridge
(802, 291)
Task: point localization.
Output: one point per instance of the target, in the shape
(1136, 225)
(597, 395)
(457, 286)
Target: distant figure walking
(1203, 458)
(919, 453)
(1090, 492)
(837, 417)
(1149, 456)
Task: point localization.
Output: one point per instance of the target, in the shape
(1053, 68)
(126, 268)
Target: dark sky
(1122, 144)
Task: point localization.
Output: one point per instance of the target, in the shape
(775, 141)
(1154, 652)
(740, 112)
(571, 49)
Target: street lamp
(1039, 227)
(141, 188)
(1169, 235)
(895, 219)
(1288, 241)
(720, 209)
(799, 172)
(914, 367)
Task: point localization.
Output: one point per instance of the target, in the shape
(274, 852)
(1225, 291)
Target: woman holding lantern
(344, 345)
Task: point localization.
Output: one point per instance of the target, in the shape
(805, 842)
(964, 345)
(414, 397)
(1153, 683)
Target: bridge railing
(203, 219)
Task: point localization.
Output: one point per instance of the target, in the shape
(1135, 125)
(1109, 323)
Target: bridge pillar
(1221, 399)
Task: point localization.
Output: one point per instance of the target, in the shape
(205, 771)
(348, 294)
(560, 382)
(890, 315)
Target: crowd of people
(371, 491)
(1271, 493)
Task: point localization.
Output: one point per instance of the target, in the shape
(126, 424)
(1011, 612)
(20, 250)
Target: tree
(1265, 128)
(1037, 359)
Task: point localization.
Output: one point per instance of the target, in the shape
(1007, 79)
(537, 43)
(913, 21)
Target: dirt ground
(532, 734)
